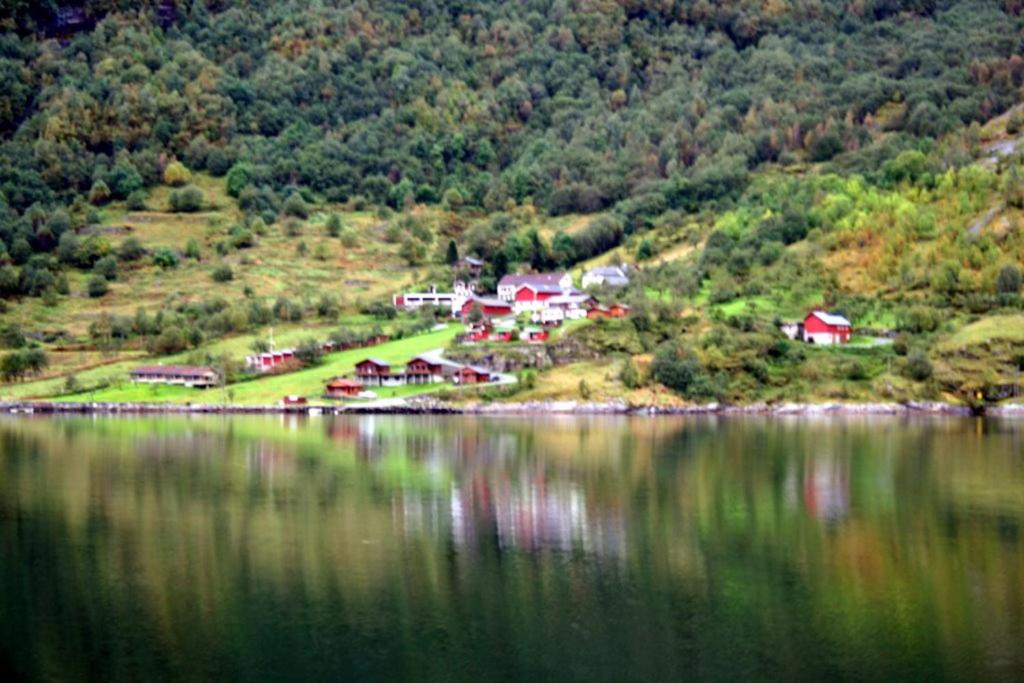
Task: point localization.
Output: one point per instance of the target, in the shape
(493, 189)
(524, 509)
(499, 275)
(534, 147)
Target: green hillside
(180, 181)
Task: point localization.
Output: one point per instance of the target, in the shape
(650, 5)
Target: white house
(450, 301)
(612, 276)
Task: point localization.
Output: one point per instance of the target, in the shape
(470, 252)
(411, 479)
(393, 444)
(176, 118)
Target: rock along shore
(433, 407)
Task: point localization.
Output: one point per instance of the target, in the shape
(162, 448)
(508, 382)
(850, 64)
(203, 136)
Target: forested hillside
(754, 158)
(576, 105)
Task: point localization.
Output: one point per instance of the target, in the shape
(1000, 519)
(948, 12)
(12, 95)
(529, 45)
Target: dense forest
(573, 105)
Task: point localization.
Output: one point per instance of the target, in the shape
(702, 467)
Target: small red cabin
(294, 400)
(826, 328)
(472, 375)
(343, 388)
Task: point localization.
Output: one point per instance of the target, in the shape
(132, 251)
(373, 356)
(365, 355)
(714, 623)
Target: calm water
(481, 549)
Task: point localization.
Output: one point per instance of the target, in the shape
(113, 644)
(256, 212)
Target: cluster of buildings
(427, 368)
(549, 298)
(271, 360)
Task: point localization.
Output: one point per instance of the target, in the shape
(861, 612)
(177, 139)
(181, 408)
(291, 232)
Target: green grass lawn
(268, 390)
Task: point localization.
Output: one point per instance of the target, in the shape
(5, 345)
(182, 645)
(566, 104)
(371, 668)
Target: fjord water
(499, 548)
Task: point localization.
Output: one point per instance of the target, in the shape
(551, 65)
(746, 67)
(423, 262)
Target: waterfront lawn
(308, 383)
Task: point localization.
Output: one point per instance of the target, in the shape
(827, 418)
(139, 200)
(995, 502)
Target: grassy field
(268, 390)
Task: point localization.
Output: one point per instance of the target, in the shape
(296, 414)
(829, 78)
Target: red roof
(342, 383)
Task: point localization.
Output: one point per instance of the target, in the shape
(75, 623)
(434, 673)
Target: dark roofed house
(373, 372)
(185, 375)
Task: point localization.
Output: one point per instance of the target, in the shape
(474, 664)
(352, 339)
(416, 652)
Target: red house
(472, 375)
(373, 372)
(826, 328)
(488, 306)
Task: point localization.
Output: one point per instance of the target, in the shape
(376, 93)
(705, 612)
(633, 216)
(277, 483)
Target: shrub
(97, 286)
(645, 250)
(192, 249)
(237, 179)
(1009, 279)
(223, 273)
(165, 258)
(296, 206)
(680, 371)
(855, 370)
(176, 174)
(333, 225)
(131, 250)
(242, 237)
(11, 336)
(189, 199)
(349, 237)
(309, 352)
(629, 375)
(107, 267)
(918, 367)
(99, 193)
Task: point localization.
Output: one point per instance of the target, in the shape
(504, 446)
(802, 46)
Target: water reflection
(398, 547)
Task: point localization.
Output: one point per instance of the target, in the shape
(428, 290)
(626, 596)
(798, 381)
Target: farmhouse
(340, 387)
(555, 283)
(611, 276)
(564, 307)
(373, 372)
(825, 328)
(185, 375)
(430, 369)
(470, 265)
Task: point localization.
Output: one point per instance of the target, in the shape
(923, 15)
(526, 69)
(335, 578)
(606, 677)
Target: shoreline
(530, 408)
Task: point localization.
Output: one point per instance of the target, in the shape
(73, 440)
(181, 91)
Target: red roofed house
(825, 328)
(343, 388)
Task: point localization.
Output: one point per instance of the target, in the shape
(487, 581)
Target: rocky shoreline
(433, 407)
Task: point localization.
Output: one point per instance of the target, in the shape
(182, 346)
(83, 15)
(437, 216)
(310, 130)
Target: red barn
(826, 328)
(488, 306)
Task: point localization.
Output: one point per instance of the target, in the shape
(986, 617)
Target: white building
(611, 276)
(450, 301)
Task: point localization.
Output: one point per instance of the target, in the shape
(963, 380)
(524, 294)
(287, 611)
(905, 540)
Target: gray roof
(607, 271)
(536, 279)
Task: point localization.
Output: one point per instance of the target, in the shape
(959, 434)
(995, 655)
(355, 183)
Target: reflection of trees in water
(866, 530)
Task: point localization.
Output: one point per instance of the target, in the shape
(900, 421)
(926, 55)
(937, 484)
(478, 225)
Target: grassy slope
(858, 252)
(266, 390)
